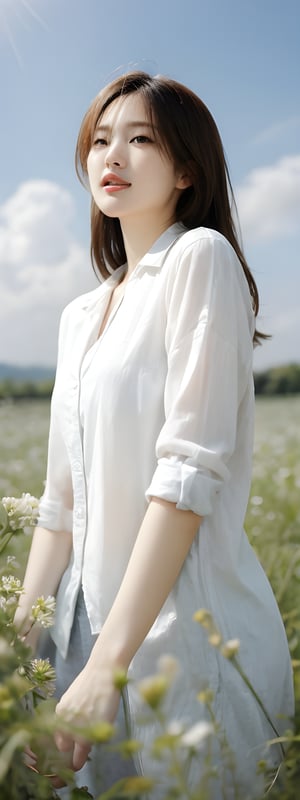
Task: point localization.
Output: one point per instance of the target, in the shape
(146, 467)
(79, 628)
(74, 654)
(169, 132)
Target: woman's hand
(163, 543)
(91, 698)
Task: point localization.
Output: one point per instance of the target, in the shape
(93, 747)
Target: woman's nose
(114, 156)
(112, 162)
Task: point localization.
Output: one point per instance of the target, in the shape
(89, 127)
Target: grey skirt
(104, 766)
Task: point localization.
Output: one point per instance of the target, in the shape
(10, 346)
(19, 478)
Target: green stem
(257, 698)
(274, 779)
(178, 770)
(126, 714)
(182, 784)
(227, 751)
(5, 540)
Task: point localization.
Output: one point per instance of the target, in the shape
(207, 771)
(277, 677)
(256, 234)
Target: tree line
(12, 389)
(278, 380)
(283, 380)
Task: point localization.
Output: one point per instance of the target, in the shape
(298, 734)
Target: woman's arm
(48, 558)
(162, 545)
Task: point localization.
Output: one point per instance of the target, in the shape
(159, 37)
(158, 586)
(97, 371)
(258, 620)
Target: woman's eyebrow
(135, 124)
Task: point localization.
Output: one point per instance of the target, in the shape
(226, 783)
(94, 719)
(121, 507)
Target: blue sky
(241, 57)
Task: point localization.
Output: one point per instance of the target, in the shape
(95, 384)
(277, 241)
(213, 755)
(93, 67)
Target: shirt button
(77, 466)
(79, 513)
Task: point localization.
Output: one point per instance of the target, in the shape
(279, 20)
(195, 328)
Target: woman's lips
(115, 187)
(113, 183)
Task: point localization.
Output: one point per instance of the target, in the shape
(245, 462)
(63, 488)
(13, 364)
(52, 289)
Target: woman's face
(129, 174)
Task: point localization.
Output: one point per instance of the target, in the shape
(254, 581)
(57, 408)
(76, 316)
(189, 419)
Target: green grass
(272, 521)
(273, 517)
(273, 527)
(23, 451)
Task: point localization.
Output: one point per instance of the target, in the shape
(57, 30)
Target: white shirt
(162, 404)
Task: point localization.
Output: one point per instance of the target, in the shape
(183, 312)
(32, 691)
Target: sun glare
(16, 15)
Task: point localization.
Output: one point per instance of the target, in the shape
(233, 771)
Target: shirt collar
(156, 255)
(154, 258)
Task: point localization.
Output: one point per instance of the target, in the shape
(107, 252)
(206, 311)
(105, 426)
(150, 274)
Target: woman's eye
(100, 141)
(141, 139)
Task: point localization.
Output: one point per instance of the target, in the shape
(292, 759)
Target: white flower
(6, 603)
(197, 734)
(3, 603)
(256, 500)
(175, 728)
(10, 585)
(21, 511)
(230, 648)
(12, 562)
(40, 672)
(42, 611)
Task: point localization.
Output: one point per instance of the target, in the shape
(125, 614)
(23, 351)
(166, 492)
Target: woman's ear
(184, 177)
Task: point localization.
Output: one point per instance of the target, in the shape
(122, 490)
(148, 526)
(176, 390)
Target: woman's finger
(63, 741)
(29, 757)
(80, 754)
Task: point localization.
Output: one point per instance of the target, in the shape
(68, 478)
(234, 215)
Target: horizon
(52, 367)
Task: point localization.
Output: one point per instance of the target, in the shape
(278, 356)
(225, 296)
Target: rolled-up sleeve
(56, 504)
(209, 350)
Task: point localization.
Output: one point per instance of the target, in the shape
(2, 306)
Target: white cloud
(42, 267)
(36, 223)
(269, 200)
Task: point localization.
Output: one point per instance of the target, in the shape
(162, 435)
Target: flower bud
(230, 648)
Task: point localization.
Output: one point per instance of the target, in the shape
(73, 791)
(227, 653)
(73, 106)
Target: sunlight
(14, 13)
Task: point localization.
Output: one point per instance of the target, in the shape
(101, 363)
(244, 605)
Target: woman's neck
(138, 237)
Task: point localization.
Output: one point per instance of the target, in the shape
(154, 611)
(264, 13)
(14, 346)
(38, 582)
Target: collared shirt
(162, 405)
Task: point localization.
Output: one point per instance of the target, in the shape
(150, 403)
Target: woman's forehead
(125, 108)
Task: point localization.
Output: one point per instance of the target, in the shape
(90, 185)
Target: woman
(150, 444)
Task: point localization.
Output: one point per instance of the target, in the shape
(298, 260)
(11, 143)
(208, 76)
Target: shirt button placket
(78, 476)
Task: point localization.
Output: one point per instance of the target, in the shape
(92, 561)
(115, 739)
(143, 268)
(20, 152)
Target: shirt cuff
(190, 488)
(54, 516)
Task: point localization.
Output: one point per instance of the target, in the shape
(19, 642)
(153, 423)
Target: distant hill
(15, 372)
(35, 381)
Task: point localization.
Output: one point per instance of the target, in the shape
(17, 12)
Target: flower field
(23, 432)
(272, 522)
(273, 518)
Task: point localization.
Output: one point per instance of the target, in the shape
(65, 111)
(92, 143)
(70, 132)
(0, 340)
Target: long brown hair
(189, 135)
